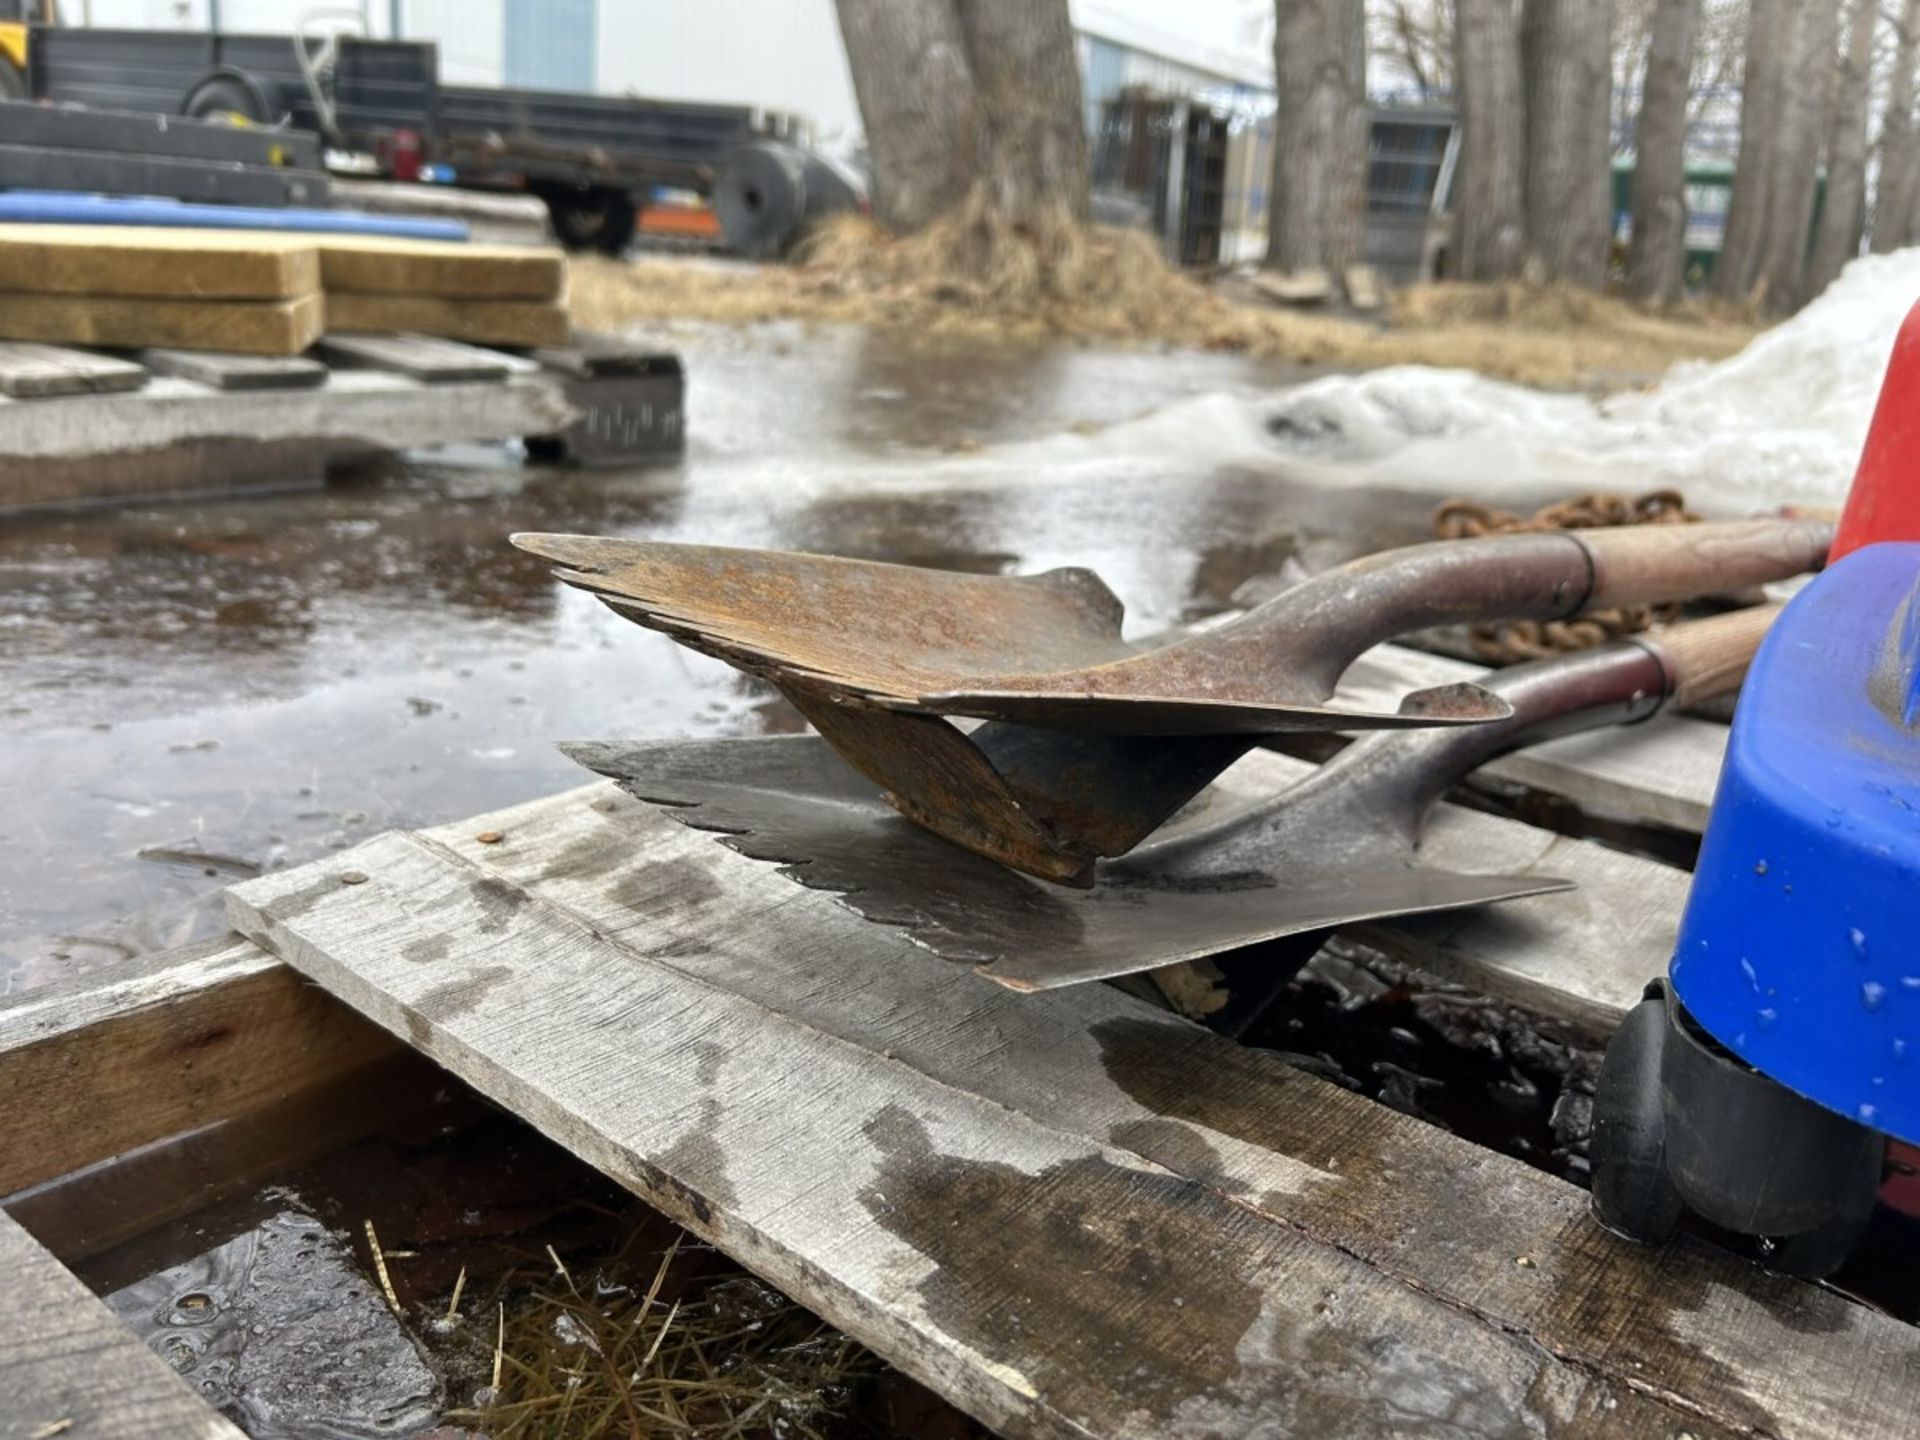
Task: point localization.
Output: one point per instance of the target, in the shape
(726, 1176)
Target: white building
(776, 54)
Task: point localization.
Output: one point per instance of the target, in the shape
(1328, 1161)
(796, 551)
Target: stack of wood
(268, 294)
(482, 294)
(188, 289)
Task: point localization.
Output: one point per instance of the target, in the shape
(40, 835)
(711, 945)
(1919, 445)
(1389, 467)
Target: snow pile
(1781, 422)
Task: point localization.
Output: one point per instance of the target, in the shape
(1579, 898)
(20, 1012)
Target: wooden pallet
(85, 425)
(1073, 1213)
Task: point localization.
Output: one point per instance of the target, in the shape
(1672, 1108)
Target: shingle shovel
(1098, 740)
(1339, 847)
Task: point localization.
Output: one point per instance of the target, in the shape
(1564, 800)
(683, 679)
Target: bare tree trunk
(1490, 194)
(1738, 268)
(1317, 217)
(1568, 70)
(910, 73)
(1844, 214)
(1658, 260)
(1027, 80)
(1893, 206)
(1806, 96)
(958, 92)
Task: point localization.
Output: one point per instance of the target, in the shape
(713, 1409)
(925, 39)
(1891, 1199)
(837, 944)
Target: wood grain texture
(479, 322)
(224, 371)
(255, 327)
(34, 371)
(149, 1050)
(69, 1368)
(372, 265)
(156, 263)
(1071, 1212)
(1663, 772)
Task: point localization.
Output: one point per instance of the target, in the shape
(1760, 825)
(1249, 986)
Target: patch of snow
(1781, 422)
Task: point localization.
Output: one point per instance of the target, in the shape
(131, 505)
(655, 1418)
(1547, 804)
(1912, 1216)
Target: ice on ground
(1781, 422)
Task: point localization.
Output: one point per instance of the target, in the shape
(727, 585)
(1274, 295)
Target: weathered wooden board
(369, 265)
(179, 437)
(224, 371)
(110, 1063)
(156, 263)
(256, 327)
(479, 322)
(69, 1368)
(1663, 772)
(1072, 1213)
(420, 356)
(32, 371)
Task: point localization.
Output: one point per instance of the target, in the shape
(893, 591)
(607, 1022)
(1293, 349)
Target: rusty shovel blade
(900, 637)
(1095, 741)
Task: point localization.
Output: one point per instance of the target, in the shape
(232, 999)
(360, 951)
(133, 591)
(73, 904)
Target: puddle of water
(261, 681)
(269, 1301)
(277, 1328)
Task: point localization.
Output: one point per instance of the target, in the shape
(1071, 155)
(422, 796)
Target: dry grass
(974, 274)
(617, 1354)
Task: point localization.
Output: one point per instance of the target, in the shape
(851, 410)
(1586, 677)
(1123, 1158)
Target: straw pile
(974, 273)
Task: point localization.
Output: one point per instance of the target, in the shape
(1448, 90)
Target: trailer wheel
(592, 218)
(227, 97)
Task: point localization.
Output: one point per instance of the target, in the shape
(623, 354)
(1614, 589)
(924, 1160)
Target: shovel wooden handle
(1709, 658)
(1397, 775)
(1650, 564)
(1315, 630)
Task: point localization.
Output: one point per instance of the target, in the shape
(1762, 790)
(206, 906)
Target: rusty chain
(1507, 641)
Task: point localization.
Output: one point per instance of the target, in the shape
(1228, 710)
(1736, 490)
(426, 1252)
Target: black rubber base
(1681, 1124)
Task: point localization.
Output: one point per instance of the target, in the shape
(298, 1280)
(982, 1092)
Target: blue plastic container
(1800, 947)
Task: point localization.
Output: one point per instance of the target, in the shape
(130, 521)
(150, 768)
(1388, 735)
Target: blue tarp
(57, 207)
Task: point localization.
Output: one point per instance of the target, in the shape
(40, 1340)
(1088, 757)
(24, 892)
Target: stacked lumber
(187, 289)
(261, 293)
(481, 294)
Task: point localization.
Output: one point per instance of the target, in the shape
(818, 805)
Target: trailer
(594, 160)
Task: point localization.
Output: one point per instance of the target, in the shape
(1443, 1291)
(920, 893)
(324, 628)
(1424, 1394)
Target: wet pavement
(196, 690)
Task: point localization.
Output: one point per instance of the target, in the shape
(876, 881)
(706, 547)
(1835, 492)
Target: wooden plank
(1071, 1212)
(176, 437)
(152, 1049)
(480, 322)
(227, 371)
(1663, 772)
(69, 1368)
(28, 371)
(156, 263)
(419, 356)
(257, 327)
(367, 265)
(1031, 1273)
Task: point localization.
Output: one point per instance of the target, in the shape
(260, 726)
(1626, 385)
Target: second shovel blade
(792, 801)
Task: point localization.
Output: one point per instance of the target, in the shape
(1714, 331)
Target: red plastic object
(402, 154)
(1884, 503)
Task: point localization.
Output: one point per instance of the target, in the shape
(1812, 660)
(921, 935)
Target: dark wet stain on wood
(497, 901)
(697, 1156)
(602, 852)
(1393, 1204)
(1180, 1148)
(1170, 1315)
(428, 949)
(456, 997)
(660, 888)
